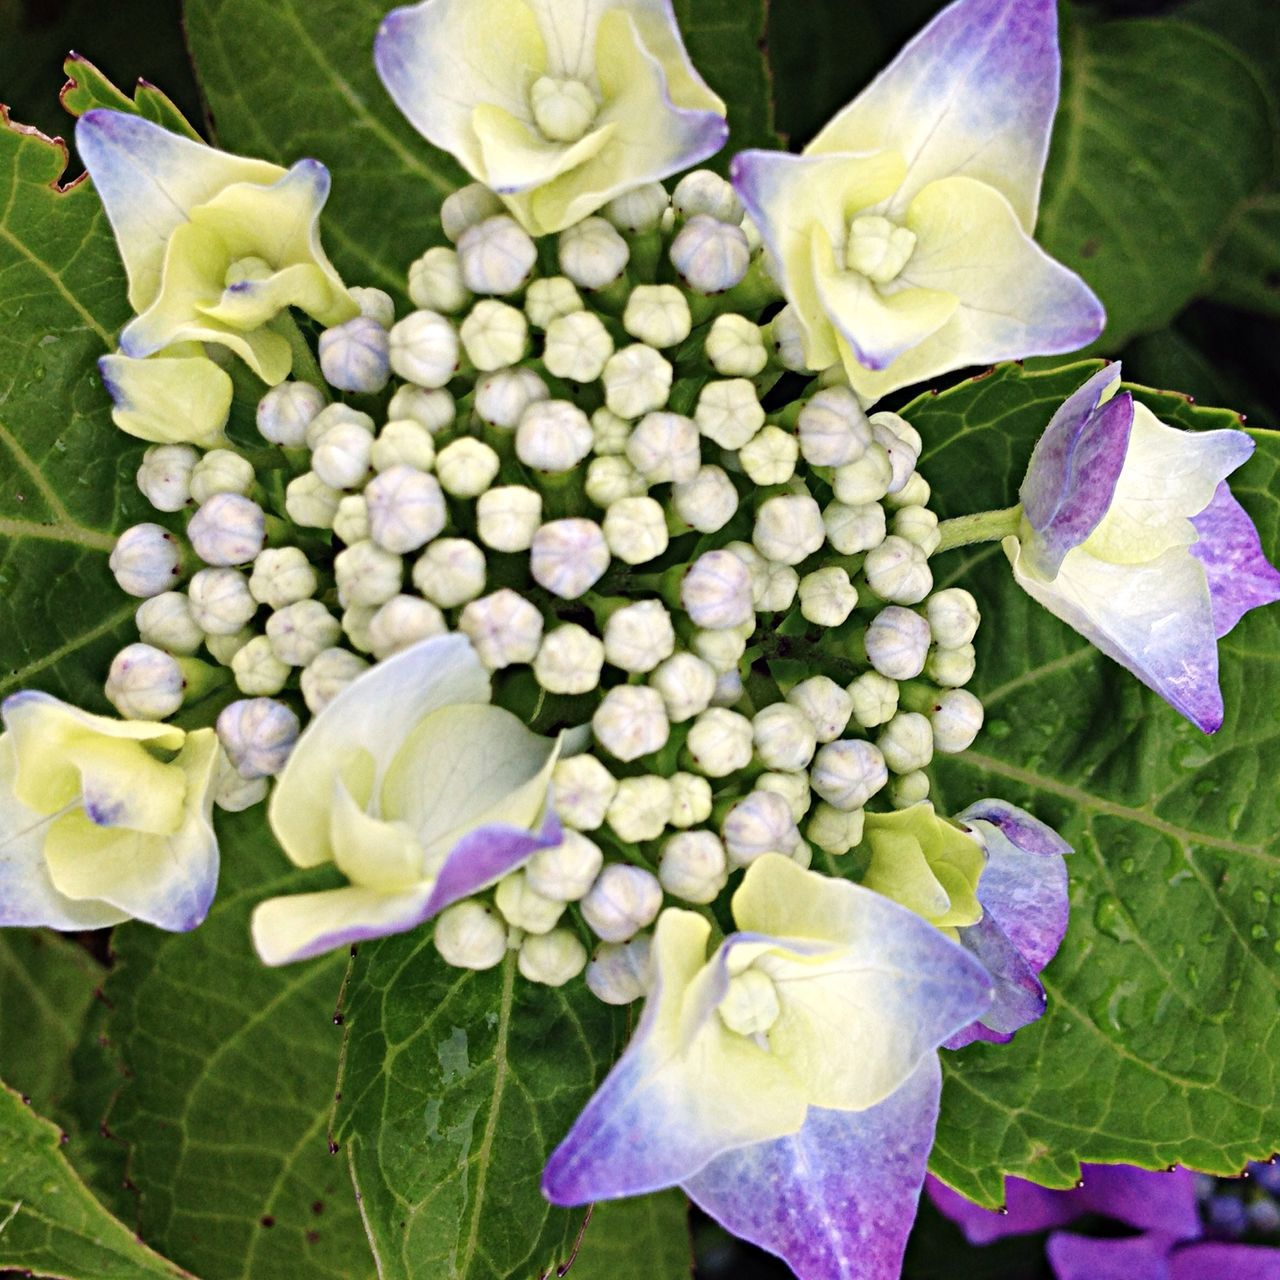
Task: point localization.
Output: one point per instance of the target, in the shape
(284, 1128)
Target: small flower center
(563, 110)
(878, 248)
(750, 1006)
(244, 270)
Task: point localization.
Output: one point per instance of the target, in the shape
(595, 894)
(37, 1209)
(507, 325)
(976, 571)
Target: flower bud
(146, 560)
(335, 415)
(524, 908)
(665, 447)
(166, 622)
(640, 808)
(716, 591)
(736, 347)
(577, 347)
(788, 528)
(657, 315)
(915, 493)
(897, 426)
(401, 622)
(220, 601)
(423, 349)
(496, 256)
(827, 597)
(833, 830)
(433, 409)
(866, 480)
(225, 647)
(311, 503)
(563, 110)
(750, 1005)
(406, 510)
(953, 617)
(901, 454)
(833, 428)
(341, 455)
(257, 670)
(825, 703)
(897, 643)
(874, 699)
(720, 742)
(569, 661)
(286, 411)
(848, 772)
(774, 587)
(623, 900)
(787, 337)
(235, 794)
(759, 823)
(619, 975)
(470, 935)
(729, 689)
(351, 520)
(635, 529)
(784, 737)
(705, 192)
(503, 627)
(165, 475)
(581, 788)
(722, 650)
(637, 380)
(327, 674)
(467, 207)
(550, 298)
(639, 636)
(281, 576)
(568, 557)
(553, 436)
(792, 787)
(355, 626)
(609, 433)
(551, 959)
(376, 304)
(710, 256)
(956, 717)
(909, 788)
(770, 456)
(565, 872)
(450, 572)
(258, 736)
(729, 413)
(898, 570)
(145, 683)
(951, 668)
(690, 799)
(906, 742)
(299, 632)
(639, 209)
(610, 479)
(592, 253)
(693, 866)
(507, 517)
(367, 574)
(355, 356)
(494, 335)
(504, 395)
(228, 529)
(918, 525)
(707, 502)
(435, 282)
(631, 722)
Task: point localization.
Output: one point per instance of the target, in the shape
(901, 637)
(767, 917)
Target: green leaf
(1160, 1044)
(645, 1238)
(50, 1224)
(87, 88)
(1247, 265)
(231, 1083)
(455, 1088)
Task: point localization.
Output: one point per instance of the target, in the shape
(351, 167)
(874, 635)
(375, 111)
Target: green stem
(985, 526)
(305, 366)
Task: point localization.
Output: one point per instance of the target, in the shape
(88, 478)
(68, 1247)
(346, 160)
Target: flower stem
(985, 526)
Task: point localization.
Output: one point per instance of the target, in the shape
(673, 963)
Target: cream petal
(168, 399)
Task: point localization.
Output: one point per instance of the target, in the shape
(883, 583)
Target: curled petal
(170, 398)
(1240, 576)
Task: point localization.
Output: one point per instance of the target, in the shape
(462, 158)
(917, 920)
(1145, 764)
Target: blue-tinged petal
(1086, 1258)
(169, 398)
(836, 1201)
(1027, 1208)
(974, 94)
(1212, 1261)
(1240, 576)
(1019, 996)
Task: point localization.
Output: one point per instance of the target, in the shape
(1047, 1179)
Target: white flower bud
(774, 587)
(146, 560)
(848, 772)
(703, 191)
(553, 436)
(708, 501)
(631, 722)
(658, 315)
(435, 282)
(258, 736)
(351, 520)
(228, 529)
(639, 636)
(355, 356)
(906, 742)
(956, 717)
(899, 427)
(235, 794)
(784, 737)
(592, 253)
(729, 689)
(951, 668)
(788, 528)
(686, 683)
(898, 570)
(551, 959)
(953, 617)
(166, 622)
(716, 591)
(165, 475)
(565, 872)
(467, 467)
(693, 866)
(402, 621)
(623, 900)
(759, 823)
(577, 347)
(826, 704)
(282, 576)
(918, 525)
(690, 800)
(874, 699)
(496, 256)
(355, 626)
(619, 975)
(467, 207)
(327, 674)
(720, 742)
(563, 110)
(406, 509)
(225, 647)
(827, 597)
(257, 670)
(549, 298)
(854, 529)
(729, 413)
(915, 493)
(470, 935)
(637, 380)
(286, 411)
(434, 410)
(145, 683)
(220, 601)
(909, 788)
(735, 347)
(640, 808)
(581, 788)
(341, 455)
(866, 480)
(710, 256)
(301, 631)
(635, 529)
(507, 517)
(424, 349)
(504, 395)
(792, 787)
(311, 503)
(524, 908)
(376, 304)
(897, 642)
(770, 456)
(833, 428)
(503, 627)
(221, 471)
(568, 557)
(494, 335)
(450, 572)
(786, 336)
(902, 456)
(367, 574)
(665, 447)
(833, 830)
(609, 433)
(722, 650)
(569, 661)
(639, 209)
(336, 415)
(610, 479)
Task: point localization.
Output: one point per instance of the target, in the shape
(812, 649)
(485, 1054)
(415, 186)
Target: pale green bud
(146, 560)
(693, 866)
(827, 597)
(720, 742)
(953, 617)
(774, 587)
(433, 409)
(898, 571)
(592, 253)
(759, 823)
(611, 479)
(918, 525)
(956, 717)
(228, 529)
(286, 411)
(568, 557)
(784, 737)
(165, 475)
(496, 256)
(658, 315)
(619, 975)
(356, 620)
(722, 650)
(406, 509)
(609, 433)
(690, 800)
(311, 503)
(833, 428)
(551, 959)
(424, 349)
(282, 576)
(665, 447)
(221, 471)
(470, 935)
(827, 705)
(788, 528)
(553, 436)
(367, 574)
(327, 674)
(705, 192)
(503, 396)
(874, 699)
(708, 501)
(507, 517)
(403, 443)
(220, 601)
(735, 347)
(467, 467)
(581, 788)
(716, 591)
(225, 647)
(234, 794)
(631, 722)
(729, 413)
(341, 455)
(848, 772)
(467, 207)
(866, 480)
(637, 380)
(401, 622)
(915, 493)
(686, 683)
(906, 742)
(901, 452)
(639, 636)
(504, 628)
(577, 347)
(951, 668)
(833, 830)
(258, 672)
(299, 632)
(524, 908)
(450, 572)
(770, 456)
(639, 209)
(570, 660)
(351, 520)
(640, 808)
(494, 335)
(710, 256)
(166, 622)
(908, 789)
(897, 643)
(435, 282)
(550, 298)
(635, 529)
(565, 872)
(786, 336)
(792, 787)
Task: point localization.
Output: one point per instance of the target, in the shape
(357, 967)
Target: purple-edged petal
(1028, 1208)
(1240, 576)
(1017, 826)
(1133, 1258)
(974, 93)
(1224, 1262)
(1019, 995)
(836, 1201)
